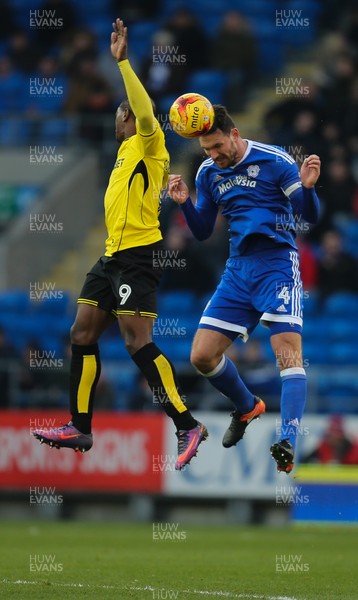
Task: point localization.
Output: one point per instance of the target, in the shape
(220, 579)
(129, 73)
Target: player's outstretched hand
(310, 170)
(177, 189)
(119, 40)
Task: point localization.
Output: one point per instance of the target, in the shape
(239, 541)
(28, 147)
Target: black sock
(161, 376)
(84, 375)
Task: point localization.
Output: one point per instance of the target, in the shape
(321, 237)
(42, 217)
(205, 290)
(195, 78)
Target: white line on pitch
(149, 588)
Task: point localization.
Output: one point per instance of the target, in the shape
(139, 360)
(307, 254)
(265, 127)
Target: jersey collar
(247, 152)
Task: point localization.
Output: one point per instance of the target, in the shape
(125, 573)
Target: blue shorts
(265, 286)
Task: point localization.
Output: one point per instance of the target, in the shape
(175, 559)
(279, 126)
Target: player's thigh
(134, 280)
(287, 348)
(277, 288)
(95, 307)
(90, 322)
(230, 310)
(208, 345)
(97, 289)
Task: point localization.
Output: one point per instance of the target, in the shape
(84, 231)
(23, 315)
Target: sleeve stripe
(207, 161)
(288, 191)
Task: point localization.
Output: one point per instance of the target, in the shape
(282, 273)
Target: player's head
(223, 142)
(222, 120)
(125, 120)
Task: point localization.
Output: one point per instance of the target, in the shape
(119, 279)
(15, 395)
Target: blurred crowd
(322, 119)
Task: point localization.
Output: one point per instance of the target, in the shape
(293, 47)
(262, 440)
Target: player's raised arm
(310, 170)
(138, 97)
(305, 201)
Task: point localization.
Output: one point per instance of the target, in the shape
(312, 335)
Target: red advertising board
(124, 456)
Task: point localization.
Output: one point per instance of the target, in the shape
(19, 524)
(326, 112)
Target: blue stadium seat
(314, 351)
(141, 39)
(27, 195)
(341, 329)
(209, 82)
(338, 393)
(342, 304)
(342, 352)
(177, 303)
(310, 303)
(316, 328)
(15, 301)
(14, 132)
(12, 97)
(55, 131)
(176, 349)
(271, 53)
(350, 233)
(113, 349)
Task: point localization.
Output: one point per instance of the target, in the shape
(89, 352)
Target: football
(191, 115)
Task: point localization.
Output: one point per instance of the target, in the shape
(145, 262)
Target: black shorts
(125, 283)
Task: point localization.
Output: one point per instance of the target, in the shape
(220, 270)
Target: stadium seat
(176, 349)
(209, 82)
(316, 328)
(314, 351)
(15, 301)
(350, 233)
(14, 132)
(141, 39)
(342, 304)
(176, 303)
(27, 195)
(113, 349)
(341, 328)
(256, 9)
(342, 352)
(271, 53)
(310, 303)
(337, 403)
(55, 131)
(12, 97)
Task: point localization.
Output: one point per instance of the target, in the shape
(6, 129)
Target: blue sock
(293, 400)
(227, 380)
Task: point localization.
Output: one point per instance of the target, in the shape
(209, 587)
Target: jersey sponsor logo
(239, 180)
(119, 162)
(253, 170)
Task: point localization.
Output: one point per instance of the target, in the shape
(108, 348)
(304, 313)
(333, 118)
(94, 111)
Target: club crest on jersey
(253, 170)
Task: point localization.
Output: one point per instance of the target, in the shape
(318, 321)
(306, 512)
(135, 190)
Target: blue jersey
(261, 196)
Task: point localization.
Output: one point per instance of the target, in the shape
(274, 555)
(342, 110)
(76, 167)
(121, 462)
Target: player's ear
(125, 114)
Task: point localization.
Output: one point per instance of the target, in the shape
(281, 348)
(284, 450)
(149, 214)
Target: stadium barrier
(135, 453)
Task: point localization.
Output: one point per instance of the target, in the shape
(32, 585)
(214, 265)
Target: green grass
(119, 561)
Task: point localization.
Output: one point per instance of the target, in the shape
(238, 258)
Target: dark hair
(124, 105)
(222, 120)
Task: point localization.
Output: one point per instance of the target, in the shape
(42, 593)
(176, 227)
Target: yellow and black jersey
(132, 199)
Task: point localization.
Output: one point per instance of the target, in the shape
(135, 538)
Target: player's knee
(82, 335)
(134, 343)
(202, 359)
(288, 355)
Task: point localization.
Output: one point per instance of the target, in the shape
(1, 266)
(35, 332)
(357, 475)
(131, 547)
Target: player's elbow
(146, 124)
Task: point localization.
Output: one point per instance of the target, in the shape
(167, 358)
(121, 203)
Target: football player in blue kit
(261, 192)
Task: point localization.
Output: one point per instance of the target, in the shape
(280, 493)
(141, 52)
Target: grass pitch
(104, 561)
